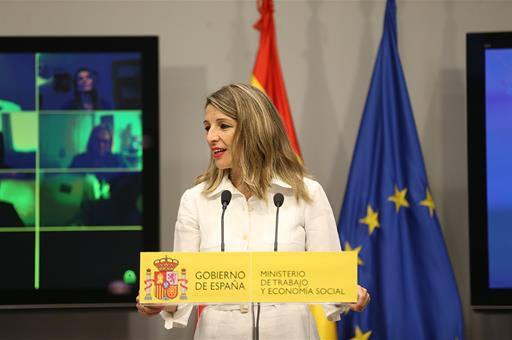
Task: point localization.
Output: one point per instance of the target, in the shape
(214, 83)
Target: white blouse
(249, 225)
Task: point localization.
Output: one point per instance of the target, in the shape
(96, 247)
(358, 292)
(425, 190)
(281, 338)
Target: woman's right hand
(154, 309)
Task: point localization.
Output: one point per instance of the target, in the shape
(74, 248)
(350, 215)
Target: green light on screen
(128, 130)
(129, 277)
(24, 131)
(21, 194)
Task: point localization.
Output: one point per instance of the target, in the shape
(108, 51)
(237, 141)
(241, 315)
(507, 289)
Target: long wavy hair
(77, 99)
(260, 147)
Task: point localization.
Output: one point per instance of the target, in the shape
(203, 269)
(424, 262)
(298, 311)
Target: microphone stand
(255, 327)
(278, 202)
(225, 198)
(277, 226)
(222, 245)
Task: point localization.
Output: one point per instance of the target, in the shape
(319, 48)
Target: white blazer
(249, 225)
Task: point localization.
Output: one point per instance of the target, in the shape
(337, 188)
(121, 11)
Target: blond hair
(261, 147)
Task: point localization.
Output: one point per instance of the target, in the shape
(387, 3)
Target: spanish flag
(267, 76)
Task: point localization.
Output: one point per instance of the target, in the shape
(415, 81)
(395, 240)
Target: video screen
(498, 93)
(72, 174)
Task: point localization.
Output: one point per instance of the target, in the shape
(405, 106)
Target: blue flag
(389, 217)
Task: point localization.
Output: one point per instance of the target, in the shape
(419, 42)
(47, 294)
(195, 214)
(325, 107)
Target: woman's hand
(155, 309)
(363, 299)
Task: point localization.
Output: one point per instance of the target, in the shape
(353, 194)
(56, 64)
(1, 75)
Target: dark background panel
(16, 261)
(88, 260)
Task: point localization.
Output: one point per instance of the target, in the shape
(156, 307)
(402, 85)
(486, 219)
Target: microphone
(225, 198)
(278, 202)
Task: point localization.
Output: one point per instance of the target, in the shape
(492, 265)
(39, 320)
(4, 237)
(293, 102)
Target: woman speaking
(252, 157)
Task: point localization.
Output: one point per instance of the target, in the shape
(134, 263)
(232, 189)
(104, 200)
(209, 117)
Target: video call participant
(252, 157)
(86, 96)
(121, 204)
(99, 151)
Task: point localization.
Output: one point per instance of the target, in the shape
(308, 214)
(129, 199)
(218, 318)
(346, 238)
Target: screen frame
(147, 46)
(482, 295)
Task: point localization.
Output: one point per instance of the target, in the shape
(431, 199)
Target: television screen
(489, 77)
(78, 168)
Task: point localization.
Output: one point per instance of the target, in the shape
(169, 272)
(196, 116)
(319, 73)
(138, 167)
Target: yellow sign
(173, 278)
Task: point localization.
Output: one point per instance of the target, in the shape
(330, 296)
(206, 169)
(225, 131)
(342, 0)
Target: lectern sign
(248, 277)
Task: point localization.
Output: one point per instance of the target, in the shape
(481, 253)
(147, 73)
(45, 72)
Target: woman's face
(84, 81)
(220, 130)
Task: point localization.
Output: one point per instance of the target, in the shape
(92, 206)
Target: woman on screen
(86, 95)
(252, 157)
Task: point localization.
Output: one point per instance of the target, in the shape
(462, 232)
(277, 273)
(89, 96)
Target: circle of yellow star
(429, 202)
(399, 199)
(360, 335)
(371, 219)
(356, 249)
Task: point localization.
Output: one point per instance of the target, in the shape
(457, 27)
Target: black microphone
(225, 198)
(278, 202)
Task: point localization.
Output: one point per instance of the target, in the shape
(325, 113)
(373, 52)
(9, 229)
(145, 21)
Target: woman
(85, 93)
(252, 157)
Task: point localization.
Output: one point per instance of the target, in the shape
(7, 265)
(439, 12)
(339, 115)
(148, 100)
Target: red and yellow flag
(267, 76)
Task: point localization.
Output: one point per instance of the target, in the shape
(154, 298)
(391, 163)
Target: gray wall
(327, 50)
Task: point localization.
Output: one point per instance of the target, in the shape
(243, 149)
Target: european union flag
(389, 217)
